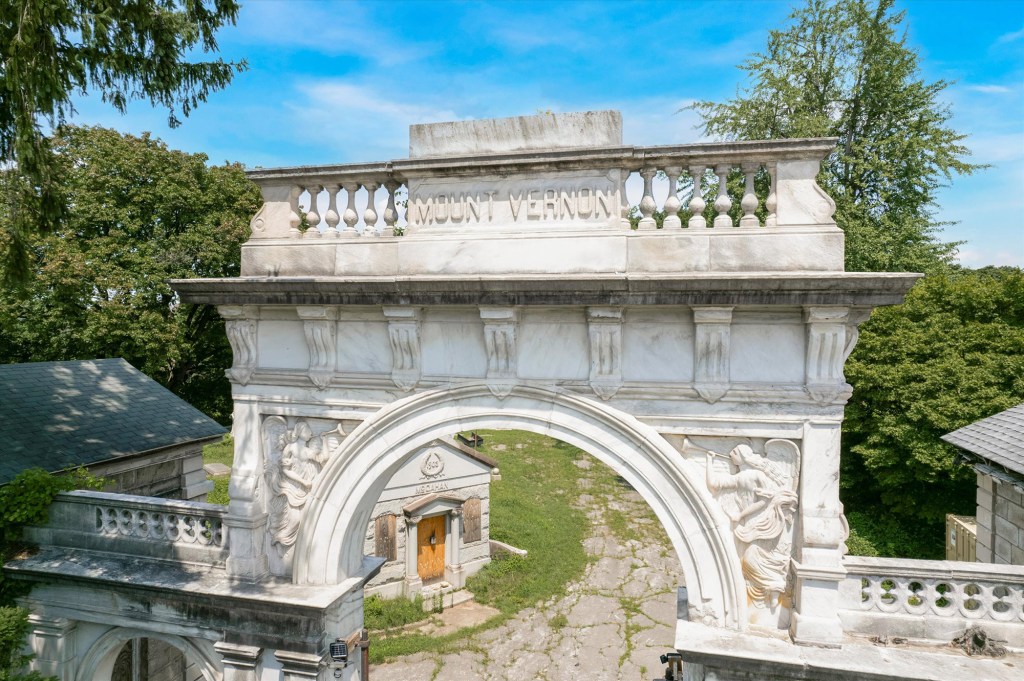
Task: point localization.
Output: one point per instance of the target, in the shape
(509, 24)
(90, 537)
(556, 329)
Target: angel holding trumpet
(765, 503)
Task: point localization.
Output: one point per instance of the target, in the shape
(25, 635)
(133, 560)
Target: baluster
(749, 201)
(624, 219)
(672, 203)
(772, 202)
(697, 204)
(723, 203)
(312, 216)
(332, 218)
(390, 212)
(351, 216)
(370, 216)
(647, 203)
(294, 219)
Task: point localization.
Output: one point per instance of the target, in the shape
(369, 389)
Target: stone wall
(172, 473)
(1000, 522)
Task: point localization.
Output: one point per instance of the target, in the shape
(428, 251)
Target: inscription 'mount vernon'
(563, 198)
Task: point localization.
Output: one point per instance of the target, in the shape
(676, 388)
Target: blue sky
(336, 82)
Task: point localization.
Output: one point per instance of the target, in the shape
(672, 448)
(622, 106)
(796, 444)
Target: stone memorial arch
(496, 279)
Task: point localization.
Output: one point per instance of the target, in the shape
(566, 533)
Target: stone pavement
(611, 625)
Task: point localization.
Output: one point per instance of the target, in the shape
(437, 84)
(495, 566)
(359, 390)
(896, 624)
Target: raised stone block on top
(543, 132)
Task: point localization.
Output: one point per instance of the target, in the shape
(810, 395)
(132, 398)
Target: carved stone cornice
(404, 334)
(320, 328)
(711, 351)
(502, 351)
(604, 325)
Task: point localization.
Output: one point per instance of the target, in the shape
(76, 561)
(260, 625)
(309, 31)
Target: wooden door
(430, 553)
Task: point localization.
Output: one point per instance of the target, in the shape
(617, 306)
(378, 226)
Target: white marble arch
(98, 662)
(330, 540)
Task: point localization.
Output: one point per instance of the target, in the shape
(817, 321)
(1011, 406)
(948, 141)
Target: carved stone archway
(329, 547)
(98, 662)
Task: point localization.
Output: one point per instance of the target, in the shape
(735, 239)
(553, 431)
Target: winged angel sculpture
(294, 457)
(758, 492)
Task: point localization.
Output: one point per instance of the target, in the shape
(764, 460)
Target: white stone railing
(933, 600)
(370, 199)
(137, 526)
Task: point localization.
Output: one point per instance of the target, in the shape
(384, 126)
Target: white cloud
(981, 257)
(1010, 37)
(990, 89)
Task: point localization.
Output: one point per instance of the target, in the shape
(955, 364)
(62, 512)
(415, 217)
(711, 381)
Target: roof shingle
(56, 415)
(998, 439)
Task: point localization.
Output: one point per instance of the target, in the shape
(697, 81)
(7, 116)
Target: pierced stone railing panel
(137, 526)
(931, 599)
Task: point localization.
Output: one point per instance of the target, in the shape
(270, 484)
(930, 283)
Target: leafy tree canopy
(52, 50)
(843, 69)
(140, 214)
(952, 354)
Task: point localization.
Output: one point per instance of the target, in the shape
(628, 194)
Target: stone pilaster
(240, 661)
(413, 583)
(302, 666)
(711, 372)
(52, 640)
(818, 565)
(456, 573)
(247, 519)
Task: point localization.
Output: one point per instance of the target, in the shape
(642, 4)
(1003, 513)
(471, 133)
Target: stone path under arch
(610, 625)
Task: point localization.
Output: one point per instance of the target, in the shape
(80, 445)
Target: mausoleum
(431, 524)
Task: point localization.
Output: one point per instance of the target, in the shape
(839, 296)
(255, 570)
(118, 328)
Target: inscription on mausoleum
(590, 199)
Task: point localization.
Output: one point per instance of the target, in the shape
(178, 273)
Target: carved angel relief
(294, 456)
(759, 494)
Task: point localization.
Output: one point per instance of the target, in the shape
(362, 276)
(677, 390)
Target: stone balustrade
(932, 600)
(143, 526)
(398, 197)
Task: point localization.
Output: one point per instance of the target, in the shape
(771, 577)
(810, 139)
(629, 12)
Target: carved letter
(604, 325)
(711, 352)
(516, 204)
(404, 332)
(319, 327)
(502, 353)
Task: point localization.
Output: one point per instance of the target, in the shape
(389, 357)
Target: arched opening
(125, 654)
(330, 540)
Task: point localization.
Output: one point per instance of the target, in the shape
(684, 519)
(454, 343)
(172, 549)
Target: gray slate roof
(998, 439)
(56, 415)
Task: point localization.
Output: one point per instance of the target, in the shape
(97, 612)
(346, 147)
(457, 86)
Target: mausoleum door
(430, 553)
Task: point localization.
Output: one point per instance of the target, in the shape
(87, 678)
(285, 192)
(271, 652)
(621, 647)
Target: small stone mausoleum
(431, 523)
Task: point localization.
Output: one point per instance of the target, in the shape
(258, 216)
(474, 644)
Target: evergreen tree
(843, 69)
(52, 50)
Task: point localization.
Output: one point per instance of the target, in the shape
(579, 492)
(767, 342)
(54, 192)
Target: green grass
(531, 508)
(380, 614)
(220, 452)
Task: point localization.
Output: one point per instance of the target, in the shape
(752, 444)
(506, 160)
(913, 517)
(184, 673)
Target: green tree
(25, 500)
(141, 214)
(53, 50)
(843, 69)
(953, 353)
